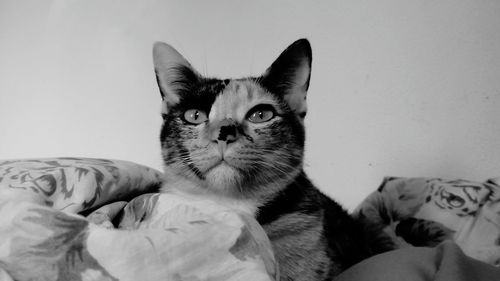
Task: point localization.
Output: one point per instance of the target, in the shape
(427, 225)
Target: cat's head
(237, 137)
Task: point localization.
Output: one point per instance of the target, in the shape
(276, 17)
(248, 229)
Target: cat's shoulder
(299, 197)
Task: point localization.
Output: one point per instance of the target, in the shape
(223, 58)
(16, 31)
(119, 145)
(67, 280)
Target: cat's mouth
(219, 164)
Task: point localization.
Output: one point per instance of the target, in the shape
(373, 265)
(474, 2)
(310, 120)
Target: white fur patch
(196, 191)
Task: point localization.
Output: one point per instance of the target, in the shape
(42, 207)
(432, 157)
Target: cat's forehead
(238, 97)
(246, 92)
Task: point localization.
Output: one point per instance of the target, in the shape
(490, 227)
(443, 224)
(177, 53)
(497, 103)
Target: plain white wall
(401, 88)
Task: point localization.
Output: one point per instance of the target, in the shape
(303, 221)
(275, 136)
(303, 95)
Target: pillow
(75, 184)
(428, 211)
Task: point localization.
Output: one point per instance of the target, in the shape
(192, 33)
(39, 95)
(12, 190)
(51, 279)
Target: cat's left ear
(289, 75)
(174, 74)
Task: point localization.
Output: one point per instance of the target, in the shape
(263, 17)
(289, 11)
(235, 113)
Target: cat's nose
(226, 131)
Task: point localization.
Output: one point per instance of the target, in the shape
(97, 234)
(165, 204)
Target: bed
(102, 219)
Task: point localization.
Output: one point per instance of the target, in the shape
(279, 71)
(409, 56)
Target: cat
(242, 140)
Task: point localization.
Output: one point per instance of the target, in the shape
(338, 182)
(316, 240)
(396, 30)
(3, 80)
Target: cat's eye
(261, 113)
(195, 116)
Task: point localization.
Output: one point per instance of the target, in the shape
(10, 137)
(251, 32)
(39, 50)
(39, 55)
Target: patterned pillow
(75, 184)
(427, 211)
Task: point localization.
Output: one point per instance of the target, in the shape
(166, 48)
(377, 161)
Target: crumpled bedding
(429, 211)
(43, 235)
(445, 262)
(99, 219)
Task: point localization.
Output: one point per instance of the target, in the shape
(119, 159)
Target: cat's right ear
(174, 74)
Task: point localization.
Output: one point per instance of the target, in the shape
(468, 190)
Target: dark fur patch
(201, 95)
(420, 232)
(348, 240)
(299, 196)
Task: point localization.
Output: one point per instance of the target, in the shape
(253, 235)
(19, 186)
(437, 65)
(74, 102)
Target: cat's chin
(223, 178)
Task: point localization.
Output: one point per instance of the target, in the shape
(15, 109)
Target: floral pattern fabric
(75, 184)
(44, 235)
(428, 211)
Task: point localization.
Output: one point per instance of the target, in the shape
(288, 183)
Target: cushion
(428, 211)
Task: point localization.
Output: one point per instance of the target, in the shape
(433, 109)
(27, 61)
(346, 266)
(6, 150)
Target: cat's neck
(300, 195)
(194, 191)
